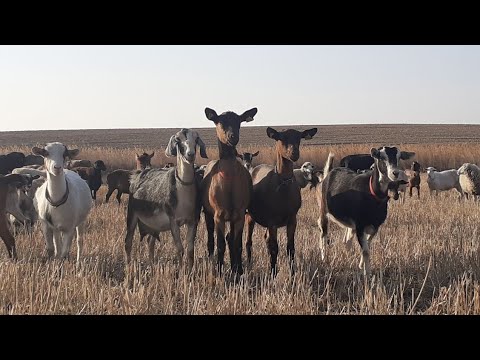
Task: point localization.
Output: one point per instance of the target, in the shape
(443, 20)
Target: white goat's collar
(184, 183)
(62, 201)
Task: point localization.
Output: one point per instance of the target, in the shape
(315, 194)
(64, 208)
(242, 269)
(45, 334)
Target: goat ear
(152, 154)
(375, 153)
(211, 114)
(136, 156)
(272, 133)
(171, 149)
(39, 151)
(308, 134)
(203, 149)
(405, 155)
(72, 153)
(255, 154)
(248, 115)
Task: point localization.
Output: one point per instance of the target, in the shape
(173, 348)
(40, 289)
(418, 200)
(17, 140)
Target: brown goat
(6, 183)
(144, 161)
(276, 195)
(414, 177)
(226, 189)
(120, 179)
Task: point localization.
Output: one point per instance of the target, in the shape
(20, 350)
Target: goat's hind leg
(323, 226)
(132, 220)
(250, 227)
(191, 235)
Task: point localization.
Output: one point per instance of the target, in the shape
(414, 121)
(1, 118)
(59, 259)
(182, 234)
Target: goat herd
(58, 191)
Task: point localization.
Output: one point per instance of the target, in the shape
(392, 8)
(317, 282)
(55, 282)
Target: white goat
(469, 179)
(304, 175)
(443, 180)
(63, 202)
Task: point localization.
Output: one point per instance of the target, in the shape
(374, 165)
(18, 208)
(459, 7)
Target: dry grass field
(425, 259)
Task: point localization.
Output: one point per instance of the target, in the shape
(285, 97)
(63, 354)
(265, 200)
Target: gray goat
(167, 199)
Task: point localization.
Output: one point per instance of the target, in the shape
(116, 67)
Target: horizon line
(252, 125)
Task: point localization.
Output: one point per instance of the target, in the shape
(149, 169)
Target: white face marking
(55, 162)
(307, 169)
(188, 141)
(390, 167)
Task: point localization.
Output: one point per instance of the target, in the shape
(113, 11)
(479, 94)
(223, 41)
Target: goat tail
(328, 164)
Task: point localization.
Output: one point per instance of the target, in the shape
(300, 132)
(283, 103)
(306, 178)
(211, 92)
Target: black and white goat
(358, 202)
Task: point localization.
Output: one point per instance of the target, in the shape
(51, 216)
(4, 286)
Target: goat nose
(396, 172)
(57, 167)
(190, 153)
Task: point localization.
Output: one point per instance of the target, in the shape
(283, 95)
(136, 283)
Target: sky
(98, 87)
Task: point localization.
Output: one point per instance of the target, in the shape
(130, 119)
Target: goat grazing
(276, 195)
(63, 202)
(167, 199)
(247, 159)
(469, 179)
(358, 202)
(443, 181)
(226, 189)
(92, 175)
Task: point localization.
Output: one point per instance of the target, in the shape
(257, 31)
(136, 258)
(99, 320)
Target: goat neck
(226, 151)
(184, 171)
(56, 186)
(284, 167)
(379, 190)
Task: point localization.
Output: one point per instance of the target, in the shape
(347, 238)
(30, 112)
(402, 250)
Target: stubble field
(425, 259)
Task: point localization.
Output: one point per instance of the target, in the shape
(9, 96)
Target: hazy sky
(75, 87)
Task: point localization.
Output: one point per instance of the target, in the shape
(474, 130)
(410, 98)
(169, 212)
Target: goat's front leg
(210, 225)
(7, 237)
(291, 227)
(220, 231)
(57, 241)
(191, 235)
(48, 235)
(250, 227)
(272, 245)
(80, 234)
(67, 244)
(175, 230)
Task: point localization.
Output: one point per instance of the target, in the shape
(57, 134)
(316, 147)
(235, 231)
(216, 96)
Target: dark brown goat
(144, 161)
(6, 183)
(226, 189)
(414, 178)
(276, 195)
(120, 179)
(92, 175)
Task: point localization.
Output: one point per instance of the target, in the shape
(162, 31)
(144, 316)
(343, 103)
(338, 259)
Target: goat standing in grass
(358, 202)
(276, 195)
(247, 159)
(226, 189)
(8, 187)
(167, 199)
(63, 202)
